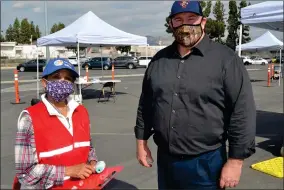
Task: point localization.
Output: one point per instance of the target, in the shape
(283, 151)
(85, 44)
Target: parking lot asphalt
(112, 129)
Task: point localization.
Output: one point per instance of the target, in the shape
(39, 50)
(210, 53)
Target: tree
(203, 5)
(123, 48)
(16, 31)
(33, 31)
(219, 12)
(38, 33)
(10, 34)
(2, 38)
(207, 9)
(233, 24)
(56, 27)
(214, 29)
(25, 32)
(53, 29)
(245, 32)
(60, 26)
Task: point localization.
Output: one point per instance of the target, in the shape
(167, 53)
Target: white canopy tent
(89, 30)
(266, 41)
(266, 15)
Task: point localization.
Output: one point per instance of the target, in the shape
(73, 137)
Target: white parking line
(20, 81)
(7, 68)
(108, 76)
(254, 69)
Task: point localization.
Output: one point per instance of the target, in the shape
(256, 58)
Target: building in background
(10, 50)
(145, 50)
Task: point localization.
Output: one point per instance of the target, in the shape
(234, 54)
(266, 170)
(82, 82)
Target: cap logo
(58, 63)
(67, 65)
(183, 4)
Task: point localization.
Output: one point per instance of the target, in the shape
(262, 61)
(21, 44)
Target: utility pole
(46, 32)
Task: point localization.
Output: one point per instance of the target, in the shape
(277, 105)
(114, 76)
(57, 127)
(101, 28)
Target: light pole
(46, 31)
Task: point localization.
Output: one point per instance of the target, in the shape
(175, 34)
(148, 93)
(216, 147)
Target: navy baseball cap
(57, 64)
(186, 6)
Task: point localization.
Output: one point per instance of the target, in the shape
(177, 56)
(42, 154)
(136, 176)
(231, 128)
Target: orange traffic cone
(16, 84)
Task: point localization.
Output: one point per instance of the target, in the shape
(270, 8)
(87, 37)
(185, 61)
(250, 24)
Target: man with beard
(196, 95)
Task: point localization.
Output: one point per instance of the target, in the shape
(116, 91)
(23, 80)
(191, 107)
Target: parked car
(277, 59)
(31, 65)
(246, 60)
(144, 61)
(269, 60)
(96, 62)
(73, 61)
(126, 61)
(259, 61)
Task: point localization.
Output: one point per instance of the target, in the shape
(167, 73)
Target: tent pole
(240, 40)
(37, 74)
(147, 51)
(47, 53)
(280, 73)
(78, 59)
(79, 66)
(102, 61)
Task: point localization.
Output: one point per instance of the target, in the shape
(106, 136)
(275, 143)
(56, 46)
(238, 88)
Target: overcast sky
(137, 17)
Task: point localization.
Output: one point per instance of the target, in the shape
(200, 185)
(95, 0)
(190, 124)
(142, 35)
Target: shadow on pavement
(270, 125)
(256, 80)
(95, 94)
(118, 184)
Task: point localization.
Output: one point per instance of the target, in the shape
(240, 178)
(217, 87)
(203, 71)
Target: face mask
(188, 35)
(59, 90)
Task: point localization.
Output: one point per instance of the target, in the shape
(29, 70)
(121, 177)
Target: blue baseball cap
(186, 6)
(57, 64)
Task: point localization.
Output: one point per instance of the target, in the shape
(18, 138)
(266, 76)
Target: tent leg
(147, 51)
(37, 74)
(240, 40)
(147, 54)
(79, 68)
(280, 73)
(102, 61)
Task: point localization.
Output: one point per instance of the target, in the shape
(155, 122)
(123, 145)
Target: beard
(188, 35)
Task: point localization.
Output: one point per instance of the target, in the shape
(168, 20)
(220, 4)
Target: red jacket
(54, 144)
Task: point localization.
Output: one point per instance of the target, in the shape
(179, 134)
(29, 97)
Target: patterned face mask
(59, 90)
(188, 35)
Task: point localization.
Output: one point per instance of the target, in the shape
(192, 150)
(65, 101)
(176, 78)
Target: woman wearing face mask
(53, 141)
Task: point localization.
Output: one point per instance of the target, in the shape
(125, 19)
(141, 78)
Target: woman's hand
(81, 171)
